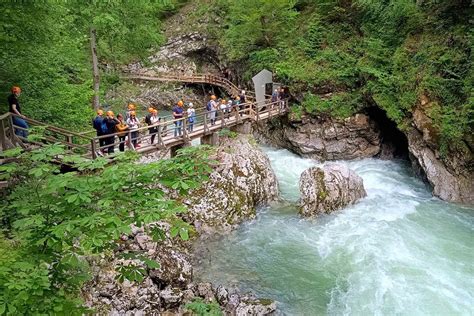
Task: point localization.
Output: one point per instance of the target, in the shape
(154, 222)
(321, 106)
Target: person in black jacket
(110, 121)
(15, 108)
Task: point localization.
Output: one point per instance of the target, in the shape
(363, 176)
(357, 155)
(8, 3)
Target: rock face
(324, 138)
(450, 175)
(242, 181)
(324, 190)
(178, 55)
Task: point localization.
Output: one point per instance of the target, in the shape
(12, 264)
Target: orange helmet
(223, 101)
(16, 89)
(155, 111)
(131, 106)
(100, 112)
(110, 113)
(132, 113)
(180, 103)
(150, 110)
(213, 97)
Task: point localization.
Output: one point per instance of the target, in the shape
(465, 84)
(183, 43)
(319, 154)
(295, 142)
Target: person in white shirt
(191, 113)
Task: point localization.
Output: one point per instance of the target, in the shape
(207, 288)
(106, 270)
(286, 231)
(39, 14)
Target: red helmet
(16, 89)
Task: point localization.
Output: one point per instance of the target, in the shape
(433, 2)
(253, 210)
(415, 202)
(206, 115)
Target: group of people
(108, 126)
(225, 106)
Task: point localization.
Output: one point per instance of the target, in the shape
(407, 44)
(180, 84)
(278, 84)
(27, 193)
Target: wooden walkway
(230, 88)
(169, 132)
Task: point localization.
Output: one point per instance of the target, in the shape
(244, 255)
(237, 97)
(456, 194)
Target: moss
(322, 191)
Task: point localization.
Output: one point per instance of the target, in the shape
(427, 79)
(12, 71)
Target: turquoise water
(399, 251)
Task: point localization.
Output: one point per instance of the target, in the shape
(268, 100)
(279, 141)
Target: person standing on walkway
(211, 108)
(223, 108)
(133, 125)
(275, 98)
(121, 128)
(130, 108)
(282, 97)
(236, 103)
(178, 113)
(15, 108)
(242, 100)
(191, 113)
(100, 127)
(111, 123)
(148, 121)
(154, 120)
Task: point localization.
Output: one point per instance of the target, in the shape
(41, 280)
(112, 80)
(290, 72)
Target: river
(399, 251)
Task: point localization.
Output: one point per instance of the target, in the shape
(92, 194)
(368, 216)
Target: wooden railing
(171, 132)
(222, 82)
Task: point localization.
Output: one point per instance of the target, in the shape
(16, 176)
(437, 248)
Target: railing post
(205, 122)
(69, 140)
(130, 143)
(93, 148)
(2, 135)
(184, 127)
(221, 113)
(257, 112)
(13, 138)
(160, 141)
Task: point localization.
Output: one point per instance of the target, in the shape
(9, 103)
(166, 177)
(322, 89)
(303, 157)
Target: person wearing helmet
(223, 108)
(133, 124)
(147, 117)
(130, 108)
(178, 113)
(243, 100)
(191, 113)
(100, 127)
(211, 108)
(154, 120)
(111, 123)
(15, 108)
(235, 104)
(121, 129)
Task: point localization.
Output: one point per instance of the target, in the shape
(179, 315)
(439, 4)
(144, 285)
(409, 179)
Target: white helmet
(190, 104)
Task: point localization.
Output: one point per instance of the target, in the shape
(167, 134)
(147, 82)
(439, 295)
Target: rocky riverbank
(450, 174)
(241, 181)
(323, 138)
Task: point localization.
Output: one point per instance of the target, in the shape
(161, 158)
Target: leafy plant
(228, 133)
(53, 221)
(201, 308)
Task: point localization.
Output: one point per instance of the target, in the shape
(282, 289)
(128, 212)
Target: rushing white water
(399, 251)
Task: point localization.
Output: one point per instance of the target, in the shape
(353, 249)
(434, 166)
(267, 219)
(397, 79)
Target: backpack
(103, 127)
(209, 106)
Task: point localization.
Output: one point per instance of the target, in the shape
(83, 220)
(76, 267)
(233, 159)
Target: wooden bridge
(230, 88)
(170, 133)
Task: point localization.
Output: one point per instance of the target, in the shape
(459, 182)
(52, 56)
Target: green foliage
(228, 133)
(53, 221)
(255, 24)
(340, 105)
(201, 308)
(46, 51)
(344, 56)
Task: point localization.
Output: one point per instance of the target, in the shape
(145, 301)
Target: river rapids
(399, 251)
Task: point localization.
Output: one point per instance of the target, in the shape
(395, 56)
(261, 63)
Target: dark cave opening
(394, 141)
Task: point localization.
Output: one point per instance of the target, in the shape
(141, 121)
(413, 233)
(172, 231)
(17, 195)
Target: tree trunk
(95, 70)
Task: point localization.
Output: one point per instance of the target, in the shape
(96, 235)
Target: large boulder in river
(329, 188)
(242, 181)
